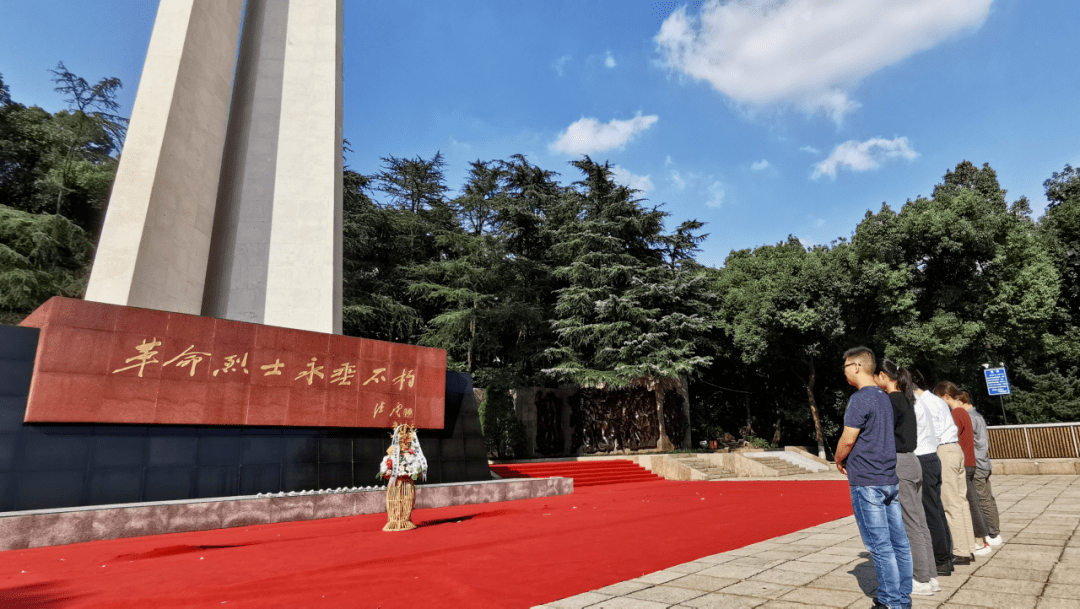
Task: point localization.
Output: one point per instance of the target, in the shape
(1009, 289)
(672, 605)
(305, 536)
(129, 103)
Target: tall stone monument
(227, 201)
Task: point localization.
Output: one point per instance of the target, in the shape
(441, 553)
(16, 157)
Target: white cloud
(810, 149)
(761, 165)
(680, 183)
(624, 177)
(716, 195)
(589, 136)
(609, 61)
(862, 156)
(809, 53)
(670, 161)
(560, 63)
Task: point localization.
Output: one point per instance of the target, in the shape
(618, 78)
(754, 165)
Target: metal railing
(1046, 441)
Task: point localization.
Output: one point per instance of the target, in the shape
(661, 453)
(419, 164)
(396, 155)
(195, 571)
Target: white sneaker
(934, 585)
(922, 588)
(994, 541)
(983, 551)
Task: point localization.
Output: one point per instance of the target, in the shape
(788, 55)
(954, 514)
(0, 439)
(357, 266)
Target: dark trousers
(940, 537)
(978, 518)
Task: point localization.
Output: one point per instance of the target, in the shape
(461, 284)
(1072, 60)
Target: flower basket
(400, 498)
(403, 466)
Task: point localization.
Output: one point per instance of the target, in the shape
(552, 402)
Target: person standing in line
(983, 468)
(866, 453)
(951, 394)
(926, 451)
(896, 382)
(953, 481)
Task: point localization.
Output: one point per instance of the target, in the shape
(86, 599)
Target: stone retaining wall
(39, 528)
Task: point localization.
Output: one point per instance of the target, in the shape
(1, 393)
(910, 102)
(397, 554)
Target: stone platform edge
(54, 527)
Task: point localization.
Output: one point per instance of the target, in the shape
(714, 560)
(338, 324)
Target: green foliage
(62, 163)
(623, 315)
(41, 256)
(504, 434)
(759, 442)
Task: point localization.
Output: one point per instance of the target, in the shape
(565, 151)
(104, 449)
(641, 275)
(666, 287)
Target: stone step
(782, 467)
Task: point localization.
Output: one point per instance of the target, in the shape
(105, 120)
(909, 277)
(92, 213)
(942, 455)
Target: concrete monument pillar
(256, 231)
(156, 238)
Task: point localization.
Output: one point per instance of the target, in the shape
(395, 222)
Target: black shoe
(961, 560)
(944, 568)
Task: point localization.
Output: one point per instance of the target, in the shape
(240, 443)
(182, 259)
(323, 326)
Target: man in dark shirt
(866, 453)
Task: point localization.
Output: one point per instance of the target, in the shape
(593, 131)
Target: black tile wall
(260, 478)
(105, 486)
(50, 466)
(167, 483)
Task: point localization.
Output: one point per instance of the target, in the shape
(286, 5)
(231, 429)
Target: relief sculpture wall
(614, 419)
(549, 431)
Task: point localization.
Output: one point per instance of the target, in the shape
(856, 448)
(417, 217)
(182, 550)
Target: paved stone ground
(827, 565)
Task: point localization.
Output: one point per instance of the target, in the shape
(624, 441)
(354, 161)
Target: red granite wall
(100, 363)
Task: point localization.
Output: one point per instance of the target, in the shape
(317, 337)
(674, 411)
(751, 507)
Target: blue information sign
(997, 382)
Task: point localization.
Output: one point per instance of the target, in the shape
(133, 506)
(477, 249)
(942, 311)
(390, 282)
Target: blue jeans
(881, 525)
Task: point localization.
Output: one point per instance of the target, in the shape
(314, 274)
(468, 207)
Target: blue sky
(760, 118)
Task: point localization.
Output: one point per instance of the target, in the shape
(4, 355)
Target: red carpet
(593, 472)
(510, 554)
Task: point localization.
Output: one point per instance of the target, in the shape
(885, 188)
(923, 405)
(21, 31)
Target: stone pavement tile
(992, 600)
(853, 551)
(952, 582)
(1045, 563)
(805, 567)
(692, 567)
(1053, 529)
(658, 577)
(832, 559)
(1065, 573)
(991, 569)
(755, 561)
(783, 605)
(702, 582)
(841, 582)
(665, 594)
(717, 559)
(822, 598)
(729, 570)
(924, 602)
(581, 600)
(1070, 555)
(1070, 591)
(787, 578)
(801, 547)
(783, 554)
(1033, 540)
(771, 544)
(1056, 603)
(622, 588)
(1009, 586)
(759, 589)
(1027, 552)
(825, 539)
(718, 600)
(744, 551)
(622, 602)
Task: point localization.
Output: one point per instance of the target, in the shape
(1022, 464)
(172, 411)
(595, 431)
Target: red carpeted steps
(585, 473)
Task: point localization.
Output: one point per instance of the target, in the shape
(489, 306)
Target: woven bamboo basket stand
(400, 498)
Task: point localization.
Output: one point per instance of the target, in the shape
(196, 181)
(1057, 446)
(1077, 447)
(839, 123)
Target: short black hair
(862, 355)
(919, 380)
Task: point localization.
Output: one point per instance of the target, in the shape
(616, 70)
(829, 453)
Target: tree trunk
(813, 406)
(749, 428)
